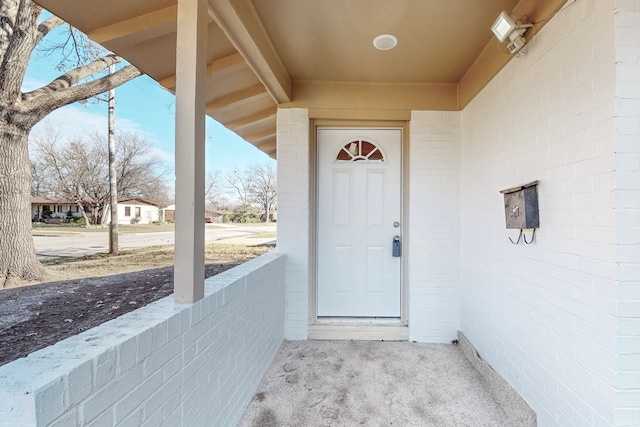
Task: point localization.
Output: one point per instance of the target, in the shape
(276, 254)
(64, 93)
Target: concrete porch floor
(372, 383)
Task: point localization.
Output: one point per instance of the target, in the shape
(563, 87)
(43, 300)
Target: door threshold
(395, 331)
(324, 320)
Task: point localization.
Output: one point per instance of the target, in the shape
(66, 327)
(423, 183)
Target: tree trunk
(99, 214)
(19, 112)
(93, 215)
(16, 242)
(85, 218)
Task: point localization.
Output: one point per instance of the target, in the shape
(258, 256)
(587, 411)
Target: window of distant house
(127, 211)
(137, 211)
(360, 151)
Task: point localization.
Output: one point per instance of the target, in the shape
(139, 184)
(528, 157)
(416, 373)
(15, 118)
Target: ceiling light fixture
(506, 28)
(385, 42)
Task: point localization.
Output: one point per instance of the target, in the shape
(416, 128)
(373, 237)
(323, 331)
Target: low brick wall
(162, 365)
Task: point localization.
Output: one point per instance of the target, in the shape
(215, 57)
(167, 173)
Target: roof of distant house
(137, 201)
(51, 200)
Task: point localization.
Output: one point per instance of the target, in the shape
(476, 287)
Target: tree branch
(8, 13)
(72, 77)
(58, 95)
(47, 26)
(18, 34)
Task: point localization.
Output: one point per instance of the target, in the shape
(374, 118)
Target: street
(71, 244)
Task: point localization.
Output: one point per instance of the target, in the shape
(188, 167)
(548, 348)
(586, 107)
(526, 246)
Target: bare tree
(69, 171)
(239, 183)
(214, 191)
(263, 189)
(140, 173)
(39, 184)
(20, 33)
(78, 171)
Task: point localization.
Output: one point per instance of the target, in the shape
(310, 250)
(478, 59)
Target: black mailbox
(521, 206)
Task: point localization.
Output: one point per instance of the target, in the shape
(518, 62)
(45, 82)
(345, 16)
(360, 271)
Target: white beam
(129, 26)
(241, 23)
(257, 137)
(191, 68)
(268, 114)
(232, 98)
(267, 146)
(215, 66)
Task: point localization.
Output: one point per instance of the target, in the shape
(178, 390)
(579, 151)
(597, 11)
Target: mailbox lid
(521, 206)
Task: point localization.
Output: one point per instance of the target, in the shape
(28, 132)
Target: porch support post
(294, 229)
(191, 52)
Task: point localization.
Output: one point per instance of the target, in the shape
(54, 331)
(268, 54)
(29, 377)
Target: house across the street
(130, 210)
(53, 208)
(168, 213)
(135, 211)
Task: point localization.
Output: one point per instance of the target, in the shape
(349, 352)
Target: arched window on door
(360, 151)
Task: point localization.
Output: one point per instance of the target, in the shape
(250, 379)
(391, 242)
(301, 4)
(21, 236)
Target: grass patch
(48, 229)
(144, 228)
(155, 257)
(122, 228)
(267, 235)
(145, 252)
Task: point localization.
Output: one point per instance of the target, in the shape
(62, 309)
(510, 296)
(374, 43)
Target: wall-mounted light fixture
(506, 28)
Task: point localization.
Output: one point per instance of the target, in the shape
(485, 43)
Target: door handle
(397, 246)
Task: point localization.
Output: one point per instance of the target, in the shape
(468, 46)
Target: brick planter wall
(162, 365)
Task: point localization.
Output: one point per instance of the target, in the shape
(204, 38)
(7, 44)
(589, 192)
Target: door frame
(313, 191)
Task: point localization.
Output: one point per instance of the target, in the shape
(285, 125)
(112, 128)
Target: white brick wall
(544, 315)
(627, 197)
(161, 365)
(293, 216)
(434, 233)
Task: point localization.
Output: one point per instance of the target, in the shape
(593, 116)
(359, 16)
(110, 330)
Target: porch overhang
(322, 59)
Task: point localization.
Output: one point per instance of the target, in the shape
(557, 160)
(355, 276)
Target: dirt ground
(85, 294)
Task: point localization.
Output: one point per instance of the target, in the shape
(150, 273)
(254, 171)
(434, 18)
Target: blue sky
(143, 107)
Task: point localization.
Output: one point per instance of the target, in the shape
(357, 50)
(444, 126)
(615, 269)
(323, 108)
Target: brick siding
(627, 197)
(161, 365)
(434, 228)
(544, 315)
(294, 215)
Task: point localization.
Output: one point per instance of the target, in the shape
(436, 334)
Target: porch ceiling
(314, 54)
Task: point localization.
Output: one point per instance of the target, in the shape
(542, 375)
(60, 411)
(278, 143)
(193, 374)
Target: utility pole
(113, 183)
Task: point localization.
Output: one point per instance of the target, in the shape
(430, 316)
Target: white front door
(359, 214)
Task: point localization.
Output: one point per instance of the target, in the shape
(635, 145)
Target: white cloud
(73, 121)
(32, 83)
(165, 156)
